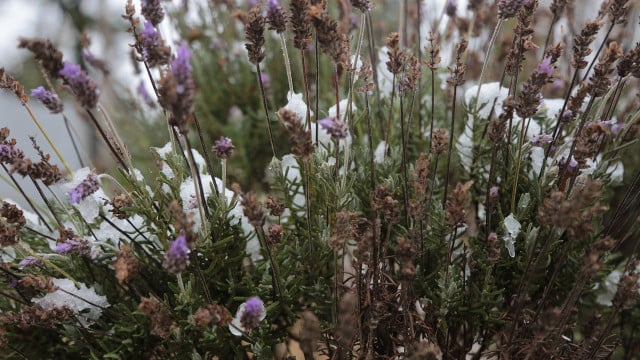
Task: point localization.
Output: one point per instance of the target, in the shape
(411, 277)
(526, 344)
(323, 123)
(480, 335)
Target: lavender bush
(465, 188)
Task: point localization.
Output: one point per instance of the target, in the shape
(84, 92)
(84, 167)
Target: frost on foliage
(291, 172)
(512, 230)
(236, 216)
(297, 105)
(606, 290)
(489, 93)
(84, 302)
(614, 170)
(385, 77)
(167, 149)
(378, 155)
(344, 108)
(90, 206)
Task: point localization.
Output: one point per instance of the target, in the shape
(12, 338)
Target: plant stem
(287, 63)
(266, 110)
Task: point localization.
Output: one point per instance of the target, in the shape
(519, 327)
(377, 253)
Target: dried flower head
(152, 11)
(509, 8)
(276, 16)
(223, 148)
(48, 99)
(362, 5)
(275, 206)
(252, 209)
(212, 314)
(581, 43)
(439, 142)
(331, 40)
(274, 234)
(300, 24)
(300, 138)
(126, 265)
(10, 83)
(254, 34)
(161, 323)
(176, 258)
(45, 53)
(455, 213)
(396, 56)
(119, 204)
(82, 86)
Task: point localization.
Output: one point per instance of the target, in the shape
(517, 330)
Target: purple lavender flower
(545, 67)
(176, 258)
(10, 153)
(154, 51)
(83, 87)
(87, 187)
(541, 139)
(253, 313)
(48, 99)
(152, 11)
(336, 128)
(176, 92)
(72, 247)
(223, 148)
(29, 261)
(276, 16)
(493, 192)
(567, 116)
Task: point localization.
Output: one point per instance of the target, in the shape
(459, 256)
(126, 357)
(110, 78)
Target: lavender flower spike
(48, 99)
(83, 87)
(545, 67)
(87, 187)
(336, 128)
(248, 316)
(223, 148)
(73, 247)
(176, 91)
(177, 257)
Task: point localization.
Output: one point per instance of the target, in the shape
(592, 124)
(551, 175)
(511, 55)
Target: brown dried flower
(252, 209)
(275, 206)
(254, 33)
(212, 314)
(581, 43)
(274, 234)
(38, 282)
(161, 323)
(439, 142)
(300, 138)
(10, 83)
(45, 53)
(126, 266)
(300, 24)
(331, 41)
(455, 213)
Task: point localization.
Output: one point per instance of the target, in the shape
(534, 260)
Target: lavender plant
(483, 209)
